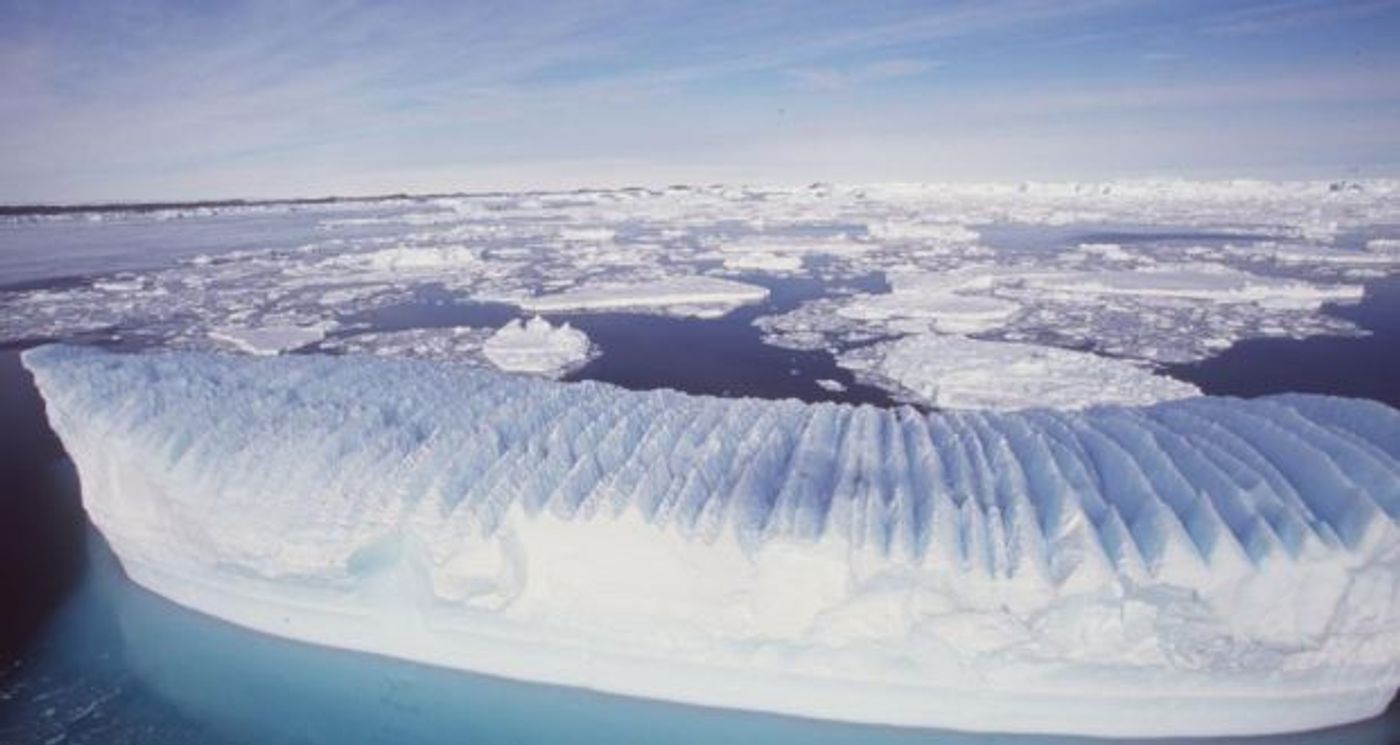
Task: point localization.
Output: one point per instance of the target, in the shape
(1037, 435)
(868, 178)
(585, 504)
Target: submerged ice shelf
(1203, 566)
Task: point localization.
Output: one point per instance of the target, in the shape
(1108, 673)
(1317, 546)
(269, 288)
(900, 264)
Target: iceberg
(537, 346)
(1204, 566)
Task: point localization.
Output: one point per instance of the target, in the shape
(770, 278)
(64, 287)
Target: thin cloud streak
(1278, 17)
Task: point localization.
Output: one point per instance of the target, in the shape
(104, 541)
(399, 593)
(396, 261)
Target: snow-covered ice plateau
(1198, 566)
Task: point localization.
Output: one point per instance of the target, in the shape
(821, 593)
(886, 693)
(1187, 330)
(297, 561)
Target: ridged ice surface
(905, 567)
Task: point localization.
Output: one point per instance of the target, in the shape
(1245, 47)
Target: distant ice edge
(1198, 567)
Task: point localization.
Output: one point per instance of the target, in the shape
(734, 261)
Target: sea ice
(416, 259)
(955, 372)
(891, 230)
(448, 343)
(1192, 281)
(943, 301)
(700, 296)
(1174, 311)
(764, 262)
(1202, 566)
(536, 346)
(784, 255)
(269, 339)
(1259, 259)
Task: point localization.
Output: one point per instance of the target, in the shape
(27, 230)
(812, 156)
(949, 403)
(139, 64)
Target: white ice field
(1072, 542)
(1204, 566)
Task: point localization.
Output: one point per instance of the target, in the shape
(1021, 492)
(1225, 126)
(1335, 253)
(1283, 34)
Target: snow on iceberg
(536, 346)
(1203, 566)
(960, 373)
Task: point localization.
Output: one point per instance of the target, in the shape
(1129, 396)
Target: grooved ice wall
(1203, 566)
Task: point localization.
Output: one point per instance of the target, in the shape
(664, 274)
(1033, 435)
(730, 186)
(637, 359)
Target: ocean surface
(88, 657)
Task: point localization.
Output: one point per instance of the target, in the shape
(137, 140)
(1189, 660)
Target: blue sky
(180, 100)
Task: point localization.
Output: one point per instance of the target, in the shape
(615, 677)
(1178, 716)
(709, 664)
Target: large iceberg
(1202, 566)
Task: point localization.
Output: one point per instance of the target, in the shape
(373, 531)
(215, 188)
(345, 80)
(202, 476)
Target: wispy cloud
(1277, 17)
(833, 78)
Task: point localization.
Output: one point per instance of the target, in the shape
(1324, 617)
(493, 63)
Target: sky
(145, 100)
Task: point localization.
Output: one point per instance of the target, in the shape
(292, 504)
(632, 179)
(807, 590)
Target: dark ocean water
(1360, 367)
(708, 356)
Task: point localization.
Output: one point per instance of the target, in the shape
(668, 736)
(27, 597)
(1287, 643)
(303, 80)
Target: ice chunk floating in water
(1203, 566)
(955, 372)
(269, 340)
(537, 346)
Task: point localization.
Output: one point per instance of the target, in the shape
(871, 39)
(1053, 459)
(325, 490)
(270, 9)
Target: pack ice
(1200, 566)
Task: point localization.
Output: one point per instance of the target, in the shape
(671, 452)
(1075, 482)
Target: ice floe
(1160, 312)
(1192, 281)
(449, 343)
(942, 301)
(537, 346)
(268, 339)
(704, 297)
(956, 372)
(423, 259)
